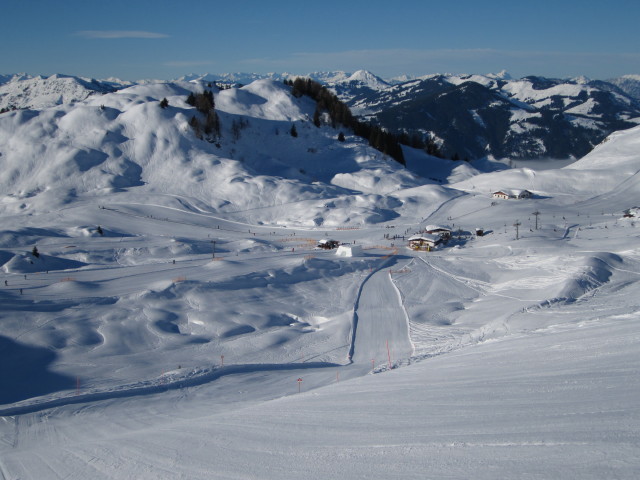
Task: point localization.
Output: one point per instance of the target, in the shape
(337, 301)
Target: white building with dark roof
(507, 193)
(443, 232)
(424, 241)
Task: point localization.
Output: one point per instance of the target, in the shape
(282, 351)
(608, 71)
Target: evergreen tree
(204, 102)
(164, 103)
(297, 89)
(375, 138)
(339, 113)
(235, 130)
(293, 131)
(35, 252)
(341, 137)
(195, 125)
(212, 124)
(417, 142)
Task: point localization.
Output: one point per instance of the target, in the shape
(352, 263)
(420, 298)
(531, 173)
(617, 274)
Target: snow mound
(349, 251)
(264, 99)
(595, 271)
(27, 263)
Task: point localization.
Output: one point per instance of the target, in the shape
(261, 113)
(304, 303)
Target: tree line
(328, 104)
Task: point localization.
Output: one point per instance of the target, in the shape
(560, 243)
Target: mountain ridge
(125, 141)
(529, 117)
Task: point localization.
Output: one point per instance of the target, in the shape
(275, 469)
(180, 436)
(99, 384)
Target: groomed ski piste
(179, 320)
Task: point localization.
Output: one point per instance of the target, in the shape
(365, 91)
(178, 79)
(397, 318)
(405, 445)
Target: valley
(180, 321)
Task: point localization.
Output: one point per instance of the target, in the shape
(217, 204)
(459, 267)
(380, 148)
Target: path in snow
(380, 320)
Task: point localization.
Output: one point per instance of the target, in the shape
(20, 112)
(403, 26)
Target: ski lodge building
(443, 232)
(424, 241)
(509, 193)
(327, 244)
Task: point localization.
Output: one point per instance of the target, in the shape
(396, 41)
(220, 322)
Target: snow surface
(23, 91)
(198, 333)
(349, 250)
(524, 90)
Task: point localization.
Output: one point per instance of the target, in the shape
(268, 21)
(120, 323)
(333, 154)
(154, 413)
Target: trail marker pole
(337, 376)
(389, 354)
(299, 383)
(222, 360)
(373, 364)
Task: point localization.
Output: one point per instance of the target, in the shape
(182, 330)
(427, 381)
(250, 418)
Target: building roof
(435, 228)
(424, 236)
(512, 192)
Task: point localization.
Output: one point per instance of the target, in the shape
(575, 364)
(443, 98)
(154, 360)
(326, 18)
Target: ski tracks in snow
(380, 331)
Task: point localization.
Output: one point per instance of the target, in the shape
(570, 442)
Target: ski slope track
(166, 310)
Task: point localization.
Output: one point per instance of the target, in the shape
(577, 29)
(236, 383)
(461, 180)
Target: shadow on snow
(154, 387)
(24, 372)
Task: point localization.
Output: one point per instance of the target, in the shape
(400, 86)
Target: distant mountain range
(629, 84)
(466, 116)
(475, 116)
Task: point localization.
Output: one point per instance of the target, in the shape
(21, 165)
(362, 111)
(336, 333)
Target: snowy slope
(179, 320)
(21, 91)
(611, 169)
(124, 139)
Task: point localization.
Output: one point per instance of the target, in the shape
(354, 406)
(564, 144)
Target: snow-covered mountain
(467, 116)
(493, 115)
(166, 312)
(125, 139)
(629, 84)
(360, 78)
(474, 116)
(22, 91)
(237, 78)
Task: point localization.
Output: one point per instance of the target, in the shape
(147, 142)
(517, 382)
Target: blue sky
(161, 39)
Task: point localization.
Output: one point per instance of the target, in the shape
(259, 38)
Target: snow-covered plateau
(166, 311)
